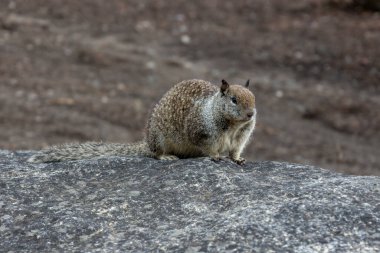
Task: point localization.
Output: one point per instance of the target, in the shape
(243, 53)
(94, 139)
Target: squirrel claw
(240, 161)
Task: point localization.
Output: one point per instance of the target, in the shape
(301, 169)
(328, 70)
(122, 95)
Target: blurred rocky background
(92, 70)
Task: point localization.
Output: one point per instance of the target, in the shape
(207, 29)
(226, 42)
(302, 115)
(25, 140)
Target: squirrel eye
(234, 100)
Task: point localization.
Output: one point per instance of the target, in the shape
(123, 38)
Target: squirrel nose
(250, 114)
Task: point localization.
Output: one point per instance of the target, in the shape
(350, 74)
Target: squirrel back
(194, 118)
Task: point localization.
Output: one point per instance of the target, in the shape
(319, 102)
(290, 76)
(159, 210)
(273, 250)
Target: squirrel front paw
(240, 161)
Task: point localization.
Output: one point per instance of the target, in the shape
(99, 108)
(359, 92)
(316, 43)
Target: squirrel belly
(194, 118)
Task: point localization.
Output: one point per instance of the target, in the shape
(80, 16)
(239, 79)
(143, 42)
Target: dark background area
(74, 71)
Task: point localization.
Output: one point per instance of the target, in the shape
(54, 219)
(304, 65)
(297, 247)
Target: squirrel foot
(239, 161)
(216, 158)
(168, 157)
(219, 158)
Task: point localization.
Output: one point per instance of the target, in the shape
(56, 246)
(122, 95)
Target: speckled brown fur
(195, 119)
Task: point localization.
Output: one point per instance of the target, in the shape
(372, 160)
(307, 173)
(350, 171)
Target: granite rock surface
(131, 204)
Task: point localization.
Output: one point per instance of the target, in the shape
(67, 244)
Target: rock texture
(194, 205)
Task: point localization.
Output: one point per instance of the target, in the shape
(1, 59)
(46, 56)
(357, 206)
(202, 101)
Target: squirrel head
(238, 102)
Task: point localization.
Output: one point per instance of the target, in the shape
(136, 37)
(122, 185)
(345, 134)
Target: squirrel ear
(247, 83)
(224, 86)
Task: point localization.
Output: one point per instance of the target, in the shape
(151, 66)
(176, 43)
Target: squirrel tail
(88, 150)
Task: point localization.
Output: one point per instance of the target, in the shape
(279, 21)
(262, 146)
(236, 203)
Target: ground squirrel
(194, 118)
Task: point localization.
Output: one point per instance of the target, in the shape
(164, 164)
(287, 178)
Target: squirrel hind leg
(156, 144)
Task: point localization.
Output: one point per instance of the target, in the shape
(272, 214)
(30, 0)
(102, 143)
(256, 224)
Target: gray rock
(192, 205)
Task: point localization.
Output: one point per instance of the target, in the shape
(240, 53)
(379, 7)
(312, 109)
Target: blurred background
(74, 71)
